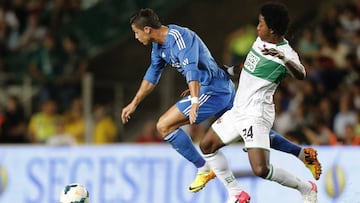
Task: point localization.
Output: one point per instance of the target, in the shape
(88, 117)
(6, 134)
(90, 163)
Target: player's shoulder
(285, 45)
(178, 32)
(175, 30)
(180, 35)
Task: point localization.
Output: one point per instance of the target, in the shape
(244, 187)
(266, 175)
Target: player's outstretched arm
(145, 89)
(297, 70)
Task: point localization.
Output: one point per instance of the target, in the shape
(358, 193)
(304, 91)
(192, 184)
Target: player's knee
(261, 170)
(162, 128)
(205, 147)
(209, 145)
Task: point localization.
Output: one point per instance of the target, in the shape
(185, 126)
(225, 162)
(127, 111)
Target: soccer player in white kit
(270, 59)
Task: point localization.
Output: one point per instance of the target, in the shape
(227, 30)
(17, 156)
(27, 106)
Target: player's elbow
(300, 76)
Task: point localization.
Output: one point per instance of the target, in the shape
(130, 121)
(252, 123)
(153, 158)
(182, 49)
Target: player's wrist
(194, 100)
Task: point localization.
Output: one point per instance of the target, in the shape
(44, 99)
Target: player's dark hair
(276, 17)
(145, 17)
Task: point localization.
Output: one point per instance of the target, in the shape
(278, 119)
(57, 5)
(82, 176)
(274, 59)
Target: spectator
(14, 124)
(326, 112)
(308, 45)
(33, 35)
(350, 24)
(46, 68)
(321, 135)
(75, 121)
(357, 49)
(105, 130)
(74, 68)
(357, 124)
(61, 137)
(62, 12)
(238, 44)
(329, 23)
(42, 124)
(345, 116)
(333, 49)
(4, 35)
(350, 138)
(283, 122)
(11, 23)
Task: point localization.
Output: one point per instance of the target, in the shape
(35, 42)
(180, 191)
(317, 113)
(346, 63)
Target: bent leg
(168, 126)
(221, 130)
(259, 160)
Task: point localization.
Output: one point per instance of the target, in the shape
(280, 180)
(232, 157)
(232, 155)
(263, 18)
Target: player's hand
(126, 112)
(193, 113)
(273, 52)
(185, 93)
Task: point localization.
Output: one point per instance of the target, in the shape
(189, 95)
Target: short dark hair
(145, 17)
(276, 17)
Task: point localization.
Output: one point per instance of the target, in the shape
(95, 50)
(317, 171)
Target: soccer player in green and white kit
(269, 61)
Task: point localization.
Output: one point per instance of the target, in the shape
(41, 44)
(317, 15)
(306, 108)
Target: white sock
(301, 155)
(219, 165)
(287, 179)
(205, 168)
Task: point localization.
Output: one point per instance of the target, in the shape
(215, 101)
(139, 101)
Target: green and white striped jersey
(259, 79)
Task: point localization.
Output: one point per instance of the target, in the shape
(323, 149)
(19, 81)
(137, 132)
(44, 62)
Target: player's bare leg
(169, 127)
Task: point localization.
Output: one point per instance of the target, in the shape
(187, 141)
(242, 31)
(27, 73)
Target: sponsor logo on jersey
(251, 61)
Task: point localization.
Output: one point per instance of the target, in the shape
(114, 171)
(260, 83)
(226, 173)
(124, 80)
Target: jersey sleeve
(155, 69)
(293, 56)
(188, 47)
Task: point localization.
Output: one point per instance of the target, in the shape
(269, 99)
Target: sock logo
(230, 179)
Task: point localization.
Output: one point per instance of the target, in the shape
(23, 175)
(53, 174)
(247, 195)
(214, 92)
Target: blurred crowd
(50, 126)
(29, 30)
(56, 65)
(324, 109)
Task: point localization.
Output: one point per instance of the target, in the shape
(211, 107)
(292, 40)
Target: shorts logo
(185, 62)
(219, 120)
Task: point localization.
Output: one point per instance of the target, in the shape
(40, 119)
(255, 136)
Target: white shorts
(254, 131)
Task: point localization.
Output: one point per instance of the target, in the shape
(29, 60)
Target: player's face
(263, 30)
(142, 35)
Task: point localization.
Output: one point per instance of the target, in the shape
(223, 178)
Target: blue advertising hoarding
(157, 174)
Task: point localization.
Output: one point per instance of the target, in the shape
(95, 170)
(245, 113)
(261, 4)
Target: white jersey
(259, 79)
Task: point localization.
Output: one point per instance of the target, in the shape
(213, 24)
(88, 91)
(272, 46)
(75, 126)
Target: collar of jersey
(282, 43)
